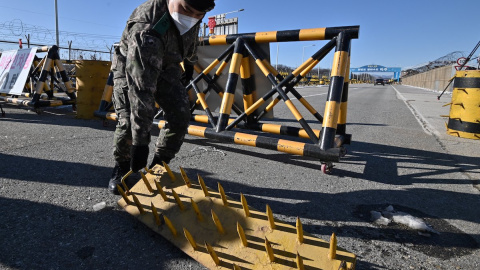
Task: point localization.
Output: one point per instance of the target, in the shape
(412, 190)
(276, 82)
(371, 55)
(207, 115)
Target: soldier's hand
(139, 157)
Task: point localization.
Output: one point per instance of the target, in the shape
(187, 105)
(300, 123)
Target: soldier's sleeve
(144, 63)
(191, 56)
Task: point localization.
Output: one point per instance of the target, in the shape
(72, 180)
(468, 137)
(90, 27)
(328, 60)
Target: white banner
(14, 69)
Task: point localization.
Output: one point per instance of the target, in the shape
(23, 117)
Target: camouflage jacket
(145, 63)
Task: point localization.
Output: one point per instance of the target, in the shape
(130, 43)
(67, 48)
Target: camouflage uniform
(146, 70)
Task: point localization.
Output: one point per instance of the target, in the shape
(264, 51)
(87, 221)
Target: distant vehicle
(379, 81)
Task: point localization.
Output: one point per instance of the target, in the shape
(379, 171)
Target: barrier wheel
(3, 114)
(38, 111)
(343, 151)
(74, 107)
(327, 168)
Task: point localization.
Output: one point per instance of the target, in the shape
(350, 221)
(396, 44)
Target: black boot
(159, 159)
(119, 171)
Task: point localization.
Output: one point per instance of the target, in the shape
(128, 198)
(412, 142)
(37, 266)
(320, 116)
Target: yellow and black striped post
(334, 97)
(201, 98)
(248, 84)
(106, 102)
(228, 97)
(342, 116)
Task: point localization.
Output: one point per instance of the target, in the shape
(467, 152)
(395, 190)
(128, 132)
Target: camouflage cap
(201, 5)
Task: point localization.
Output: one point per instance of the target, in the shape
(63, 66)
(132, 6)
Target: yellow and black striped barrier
(42, 95)
(464, 119)
(242, 53)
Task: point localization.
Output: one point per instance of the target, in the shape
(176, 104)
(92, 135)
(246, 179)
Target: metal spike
(177, 199)
(147, 184)
(241, 233)
(170, 173)
(269, 250)
(270, 217)
(300, 262)
(212, 254)
(217, 222)
(236, 267)
(190, 239)
(196, 209)
(343, 266)
(151, 171)
(120, 190)
(299, 231)
(127, 190)
(170, 225)
(185, 178)
(155, 215)
(203, 186)
(138, 204)
(222, 194)
(245, 205)
(333, 247)
(160, 190)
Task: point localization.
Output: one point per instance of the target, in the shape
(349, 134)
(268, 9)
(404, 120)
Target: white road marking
(310, 96)
(426, 126)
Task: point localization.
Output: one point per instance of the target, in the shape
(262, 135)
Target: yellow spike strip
(245, 205)
(170, 225)
(212, 253)
(222, 194)
(197, 211)
(332, 254)
(123, 181)
(185, 178)
(203, 186)
(138, 204)
(241, 234)
(170, 173)
(269, 250)
(217, 222)
(270, 217)
(190, 239)
(147, 184)
(300, 265)
(299, 231)
(236, 267)
(160, 191)
(120, 190)
(155, 215)
(177, 199)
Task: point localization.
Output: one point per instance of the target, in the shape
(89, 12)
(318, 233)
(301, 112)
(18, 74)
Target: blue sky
(392, 33)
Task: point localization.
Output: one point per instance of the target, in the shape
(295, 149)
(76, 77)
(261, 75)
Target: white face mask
(183, 22)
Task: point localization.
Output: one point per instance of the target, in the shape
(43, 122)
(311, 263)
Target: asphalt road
(55, 168)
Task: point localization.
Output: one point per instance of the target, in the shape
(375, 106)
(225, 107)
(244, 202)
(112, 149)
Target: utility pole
(56, 23)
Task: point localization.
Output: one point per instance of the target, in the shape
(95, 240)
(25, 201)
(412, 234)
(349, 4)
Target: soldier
(159, 35)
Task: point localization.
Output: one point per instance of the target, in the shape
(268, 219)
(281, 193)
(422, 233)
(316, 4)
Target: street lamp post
(303, 53)
(56, 23)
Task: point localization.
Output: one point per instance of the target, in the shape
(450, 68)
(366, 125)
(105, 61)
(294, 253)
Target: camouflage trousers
(169, 94)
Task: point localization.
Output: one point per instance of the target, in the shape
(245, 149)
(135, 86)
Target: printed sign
(461, 61)
(14, 69)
